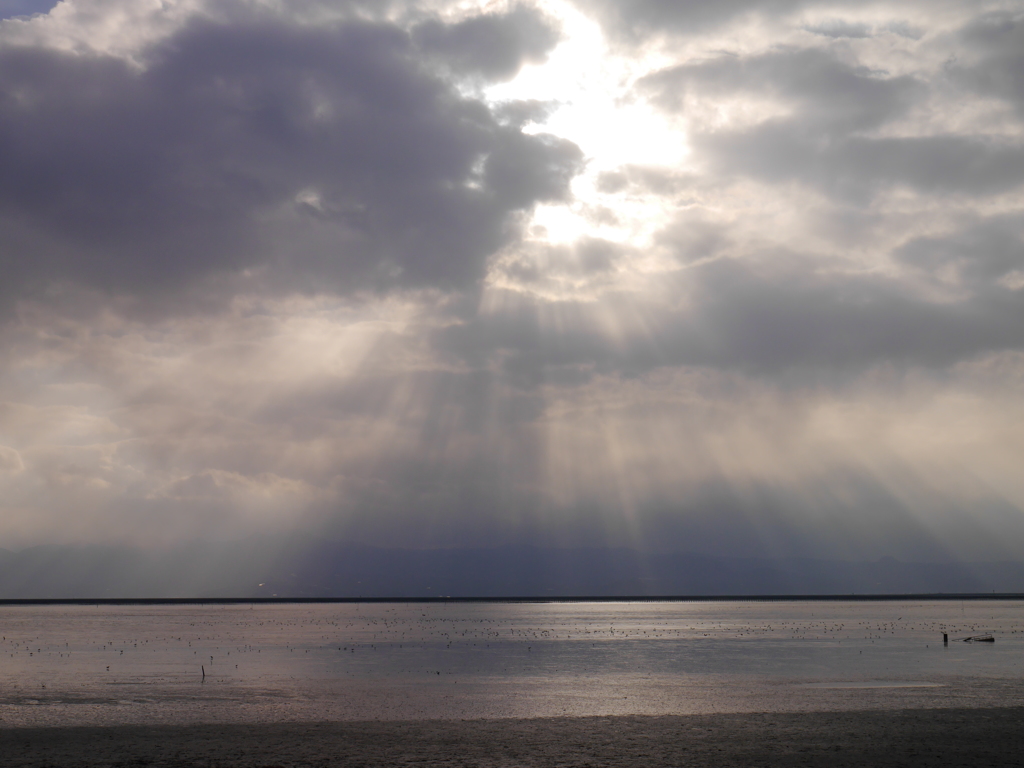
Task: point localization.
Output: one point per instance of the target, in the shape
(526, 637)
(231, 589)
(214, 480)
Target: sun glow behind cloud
(589, 89)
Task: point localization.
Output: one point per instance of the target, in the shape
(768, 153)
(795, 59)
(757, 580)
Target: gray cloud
(825, 141)
(843, 321)
(491, 46)
(332, 154)
(856, 168)
(997, 40)
(829, 97)
(636, 20)
(839, 28)
(979, 253)
(766, 322)
(519, 113)
(646, 180)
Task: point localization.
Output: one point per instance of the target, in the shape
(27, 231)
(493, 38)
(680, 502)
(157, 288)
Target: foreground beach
(948, 738)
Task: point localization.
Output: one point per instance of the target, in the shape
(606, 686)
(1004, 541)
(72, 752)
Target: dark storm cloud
(334, 154)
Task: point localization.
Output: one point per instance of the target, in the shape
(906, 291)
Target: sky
(735, 278)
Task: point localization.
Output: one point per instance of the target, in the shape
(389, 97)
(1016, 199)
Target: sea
(260, 663)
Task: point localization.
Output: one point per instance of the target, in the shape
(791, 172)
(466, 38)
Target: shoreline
(918, 737)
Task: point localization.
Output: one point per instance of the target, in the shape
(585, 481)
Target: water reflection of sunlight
(407, 661)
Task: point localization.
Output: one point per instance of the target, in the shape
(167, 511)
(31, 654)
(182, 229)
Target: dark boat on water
(980, 639)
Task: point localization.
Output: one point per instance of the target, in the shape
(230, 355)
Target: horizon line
(516, 599)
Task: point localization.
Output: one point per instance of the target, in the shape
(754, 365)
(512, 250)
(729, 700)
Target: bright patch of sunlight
(587, 86)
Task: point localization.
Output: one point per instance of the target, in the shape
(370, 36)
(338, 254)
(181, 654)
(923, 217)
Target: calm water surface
(145, 664)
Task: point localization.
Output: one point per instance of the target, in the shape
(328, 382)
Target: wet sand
(948, 738)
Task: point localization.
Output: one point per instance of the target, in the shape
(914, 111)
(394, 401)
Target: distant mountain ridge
(312, 569)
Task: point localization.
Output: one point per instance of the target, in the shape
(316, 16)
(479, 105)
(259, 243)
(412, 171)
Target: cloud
(636, 20)
(10, 461)
(330, 155)
(490, 46)
(824, 138)
(840, 28)
(306, 417)
(520, 112)
(344, 268)
(858, 168)
(975, 255)
(995, 42)
(794, 317)
(774, 318)
(823, 93)
(817, 116)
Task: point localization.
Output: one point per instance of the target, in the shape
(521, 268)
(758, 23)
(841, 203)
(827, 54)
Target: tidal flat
(643, 683)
